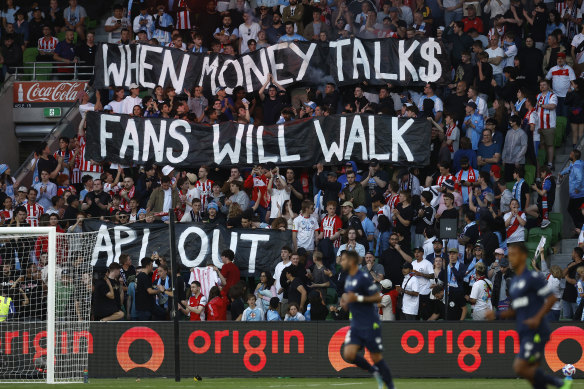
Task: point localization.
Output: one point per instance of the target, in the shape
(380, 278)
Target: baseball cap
(496, 170)
(108, 108)
(471, 104)
(453, 250)
(331, 174)
(437, 241)
(214, 206)
(134, 86)
(561, 55)
(499, 251)
(23, 189)
(219, 88)
(3, 168)
(479, 245)
(347, 204)
(386, 284)
(361, 209)
(311, 104)
(373, 162)
(504, 262)
(167, 170)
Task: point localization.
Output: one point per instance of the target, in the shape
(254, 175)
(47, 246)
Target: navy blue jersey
(363, 315)
(528, 293)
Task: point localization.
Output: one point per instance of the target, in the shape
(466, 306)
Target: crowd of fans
(514, 68)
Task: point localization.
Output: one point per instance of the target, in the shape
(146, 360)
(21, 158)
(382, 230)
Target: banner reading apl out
(346, 61)
(327, 139)
(198, 244)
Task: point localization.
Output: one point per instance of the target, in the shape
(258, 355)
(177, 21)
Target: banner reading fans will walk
(346, 61)
(329, 140)
(198, 244)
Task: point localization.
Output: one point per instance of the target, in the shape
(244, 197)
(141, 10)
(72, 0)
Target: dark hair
(515, 119)
(274, 302)
(437, 289)
(196, 283)
(214, 292)
(352, 255)
(523, 248)
(228, 254)
(114, 266)
(520, 171)
(383, 223)
(145, 262)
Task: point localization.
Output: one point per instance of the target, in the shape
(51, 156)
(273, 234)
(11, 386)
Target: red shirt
(231, 274)
(475, 23)
(197, 302)
(217, 309)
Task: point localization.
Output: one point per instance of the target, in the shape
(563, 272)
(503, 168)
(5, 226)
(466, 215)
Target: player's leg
(536, 376)
(351, 355)
(381, 366)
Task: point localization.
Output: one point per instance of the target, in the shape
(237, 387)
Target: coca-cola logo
(59, 92)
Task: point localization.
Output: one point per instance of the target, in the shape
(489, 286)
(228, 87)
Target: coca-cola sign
(46, 93)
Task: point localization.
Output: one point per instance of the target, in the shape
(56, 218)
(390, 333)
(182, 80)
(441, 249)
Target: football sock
(363, 364)
(541, 377)
(385, 373)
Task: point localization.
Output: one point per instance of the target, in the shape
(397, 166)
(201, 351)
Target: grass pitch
(256, 383)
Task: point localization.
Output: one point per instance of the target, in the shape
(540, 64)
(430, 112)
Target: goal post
(48, 276)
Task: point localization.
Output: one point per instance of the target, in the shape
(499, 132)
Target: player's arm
(352, 297)
(302, 296)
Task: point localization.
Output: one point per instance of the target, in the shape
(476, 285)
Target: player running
(531, 300)
(362, 296)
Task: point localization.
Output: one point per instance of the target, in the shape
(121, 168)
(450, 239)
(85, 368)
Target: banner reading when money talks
(344, 62)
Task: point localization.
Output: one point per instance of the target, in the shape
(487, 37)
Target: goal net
(45, 304)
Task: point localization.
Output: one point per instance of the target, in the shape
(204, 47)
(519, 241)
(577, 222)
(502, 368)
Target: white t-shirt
(83, 108)
(410, 304)
(534, 119)
(246, 33)
(482, 106)
(117, 106)
(424, 266)
(305, 228)
(575, 43)
(278, 197)
(519, 234)
(359, 249)
(167, 200)
(493, 53)
(561, 79)
(129, 102)
(556, 289)
(192, 193)
(482, 293)
(115, 35)
(277, 274)
(386, 308)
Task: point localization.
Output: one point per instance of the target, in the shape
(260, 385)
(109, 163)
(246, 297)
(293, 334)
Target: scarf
(469, 276)
(471, 177)
(451, 278)
(448, 134)
(519, 104)
(517, 191)
(515, 225)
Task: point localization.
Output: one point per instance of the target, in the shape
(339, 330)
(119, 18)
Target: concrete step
(568, 245)
(560, 159)
(562, 260)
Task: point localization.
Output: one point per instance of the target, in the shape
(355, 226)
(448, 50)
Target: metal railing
(32, 71)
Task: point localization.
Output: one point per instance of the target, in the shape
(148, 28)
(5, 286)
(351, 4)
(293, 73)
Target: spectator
(163, 199)
(115, 24)
(515, 221)
(296, 291)
(562, 76)
(393, 258)
(575, 173)
(146, 307)
(162, 26)
(570, 294)
(248, 30)
(452, 277)
(229, 273)
(253, 312)
(291, 34)
(108, 295)
(293, 311)
(74, 17)
(489, 153)
(473, 124)
(11, 54)
(515, 148)
(46, 190)
(410, 293)
(294, 13)
(574, 103)
(480, 295)
(351, 245)
(316, 27)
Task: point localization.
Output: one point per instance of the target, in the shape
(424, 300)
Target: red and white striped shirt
(547, 117)
(66, 155)
(391, 202)
(33, 212)
(330, 226)
(440, 180)
(499, 31)
(207, 277)
(85, 165)
(205, 189)
(183, 16)
(47, 45)
(7, 215)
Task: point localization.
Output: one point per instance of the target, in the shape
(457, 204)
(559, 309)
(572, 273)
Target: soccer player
(362, 296)
(531, 300)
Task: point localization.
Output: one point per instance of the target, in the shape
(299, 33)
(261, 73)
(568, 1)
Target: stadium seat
(531, 247)
(557, 219)
(90, 24)
(561, 122)
(331, 296)
(530, 174)
(510, 185)
(535, 235)
(541, 156)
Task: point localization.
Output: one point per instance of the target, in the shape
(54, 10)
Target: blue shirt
(363, 315)
(255, 314)
(528, 293)
(287, 38)
(65, 50)
(273, 316)
(488, 152)
(369, 229)
(474, 133)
